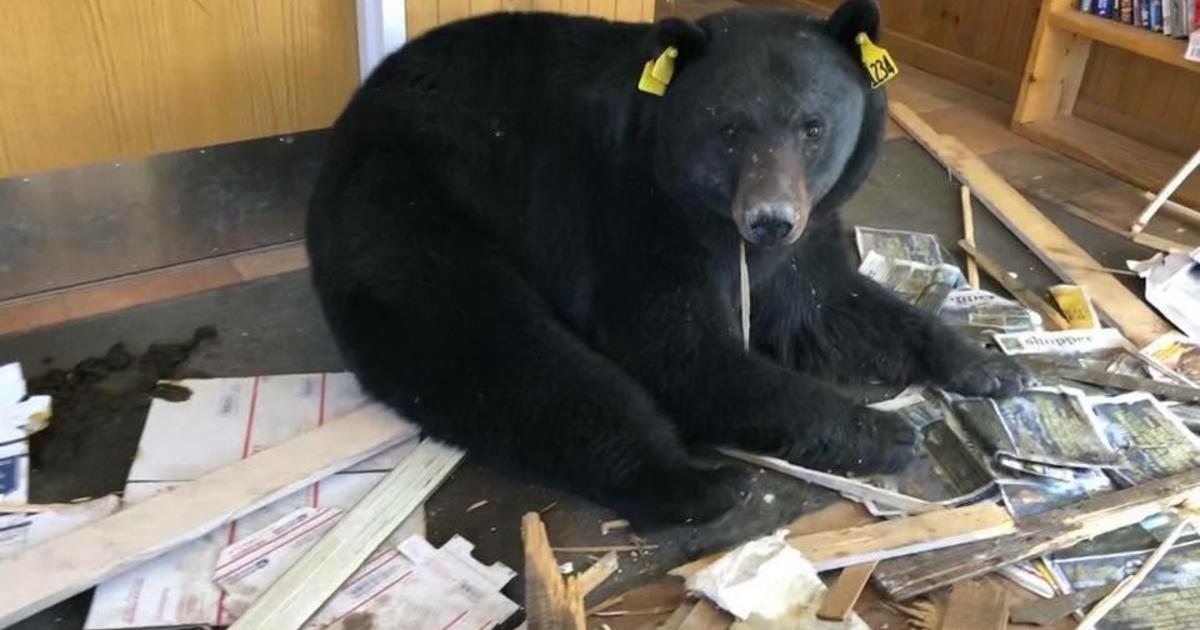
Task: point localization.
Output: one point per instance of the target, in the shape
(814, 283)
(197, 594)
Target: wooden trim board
(1132, 316)
(305, 586)
(904, 578)
(845, 547)
(80, 559)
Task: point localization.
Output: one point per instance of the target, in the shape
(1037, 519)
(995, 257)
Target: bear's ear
(686, 36)
(852, 18)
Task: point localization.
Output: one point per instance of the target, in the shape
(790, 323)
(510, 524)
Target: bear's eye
(813, 129)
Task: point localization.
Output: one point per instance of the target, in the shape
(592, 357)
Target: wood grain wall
(95, 80)
(425, 14)
(1151, 101)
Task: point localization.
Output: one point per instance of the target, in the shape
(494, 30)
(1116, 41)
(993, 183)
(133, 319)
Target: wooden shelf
(1120, 155)
(1142, 42)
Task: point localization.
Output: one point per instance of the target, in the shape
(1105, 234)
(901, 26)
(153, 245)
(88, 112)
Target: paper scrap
(410, 586)
(225, 420)
(764, 581)
(1173, 287)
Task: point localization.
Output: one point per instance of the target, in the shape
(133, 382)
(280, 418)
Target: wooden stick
(83, 558)
(976, 605)
(843, 595)
(1051, 317)
(904, 578)
(551, 603)
(596, 574)
(1165, 193)
(306, 585)
(1129, 584)
(1064, 257)
(969, 236)
(839, 548)
(1176, 210)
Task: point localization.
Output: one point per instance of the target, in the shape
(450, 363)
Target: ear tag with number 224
(878, 63)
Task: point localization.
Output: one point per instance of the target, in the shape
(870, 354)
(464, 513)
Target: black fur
(521, 252)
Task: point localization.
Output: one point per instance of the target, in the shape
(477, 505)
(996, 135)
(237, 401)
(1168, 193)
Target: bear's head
(769, 118)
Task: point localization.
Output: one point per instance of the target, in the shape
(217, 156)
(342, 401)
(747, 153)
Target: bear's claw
(991, 375)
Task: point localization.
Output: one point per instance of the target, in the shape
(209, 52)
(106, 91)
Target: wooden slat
(575, 7)
(289, 602)
(453, 10)
(83, 558)
(1054, 71)
(627, 10)
(483, 7)
(976, 605)
(554, 6)
(840, 548)
(843, 595)
(907, 577)
(596, 574)
(1052, 246)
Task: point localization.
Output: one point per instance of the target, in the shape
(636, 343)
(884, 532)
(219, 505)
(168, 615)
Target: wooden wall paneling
(420, 16)
(628, 10)
(452, 10)
(575, 7)
(547, 5)
(483, 7)
(516, 5)
(104, 80)
(602, 8)
(648, 10)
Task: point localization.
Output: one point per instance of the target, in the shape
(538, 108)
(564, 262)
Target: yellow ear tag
(656, 75)
(877, 61)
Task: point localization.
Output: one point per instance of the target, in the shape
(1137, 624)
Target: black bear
(533, 259)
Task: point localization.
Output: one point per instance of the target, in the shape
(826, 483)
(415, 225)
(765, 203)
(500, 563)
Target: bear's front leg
(864, 332)
(683, 345)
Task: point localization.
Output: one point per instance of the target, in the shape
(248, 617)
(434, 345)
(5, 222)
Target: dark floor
(274, 326)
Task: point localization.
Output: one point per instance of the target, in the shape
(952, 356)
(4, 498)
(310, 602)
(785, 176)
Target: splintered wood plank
(976, 605)
(840, 548)
(551, 602)
(839, 601)
(83, 558)
(305, 586)
(904, 578)
(596, 574)
(1064, 257)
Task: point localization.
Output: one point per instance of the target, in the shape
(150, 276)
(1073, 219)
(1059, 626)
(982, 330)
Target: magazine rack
(1053, 73)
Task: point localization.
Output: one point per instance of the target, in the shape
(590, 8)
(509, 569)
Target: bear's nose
(771, 223)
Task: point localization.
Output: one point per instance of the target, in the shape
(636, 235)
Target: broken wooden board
(596, 574)
(904, 578)
(551, 602)
(1043, 612)
(976, 605)
(1064, 257)
(306, 585)
(839, 601)
(840, 548)
(81, 559)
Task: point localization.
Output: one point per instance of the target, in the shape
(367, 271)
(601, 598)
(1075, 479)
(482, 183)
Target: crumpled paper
(768, 584)
(1173, 287)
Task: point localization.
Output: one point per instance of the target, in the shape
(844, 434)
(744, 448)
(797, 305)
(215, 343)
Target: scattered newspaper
(1030, 495)
(225, 420)
(980, 315)
(899, 245)
(947, 468)
(1173, 287)
(1169, 598)
(1044, 431)
(1178, 353)
(1062, 342)
(409, 586)
(1151, 440)
(923, 286)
